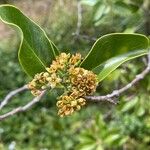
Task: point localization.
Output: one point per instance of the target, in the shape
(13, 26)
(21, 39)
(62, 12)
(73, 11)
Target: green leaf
(101, 11)
(36, 50)
(87, 146)
(106, 68)
(111, 50)
(111, 138)
(129, 105)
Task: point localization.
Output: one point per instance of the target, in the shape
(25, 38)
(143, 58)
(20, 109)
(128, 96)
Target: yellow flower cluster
(38, 83)
(68, 104)
(43, 81)
(65, 72)
(83, 81)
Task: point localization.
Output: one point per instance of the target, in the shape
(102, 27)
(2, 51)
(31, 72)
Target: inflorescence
(65, 73)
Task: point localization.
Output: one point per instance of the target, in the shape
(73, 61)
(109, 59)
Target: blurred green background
(98, 126)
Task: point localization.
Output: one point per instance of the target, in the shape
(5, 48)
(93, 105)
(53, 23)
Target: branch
(23, 108)
(11, 94)
(79, 23)
(116, 93)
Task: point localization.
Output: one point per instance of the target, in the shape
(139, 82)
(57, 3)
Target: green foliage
(104, 8)
(11, 75)
(135, 44)
(107, 67)
(125, 15)
(100, 125)
(36, 50)
(126, 125)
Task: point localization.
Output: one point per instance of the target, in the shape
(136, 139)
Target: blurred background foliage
(98, 126)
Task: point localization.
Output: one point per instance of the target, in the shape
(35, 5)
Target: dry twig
(11, 94)
(79, 22)
(23, 108)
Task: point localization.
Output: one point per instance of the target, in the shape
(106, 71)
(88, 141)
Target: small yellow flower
(63, 57)
(53, 80)
(53, 67)
(75, 59)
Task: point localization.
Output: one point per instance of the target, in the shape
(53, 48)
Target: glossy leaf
(110, 51)
(111, 45)
(106, 68)
(36, 50)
